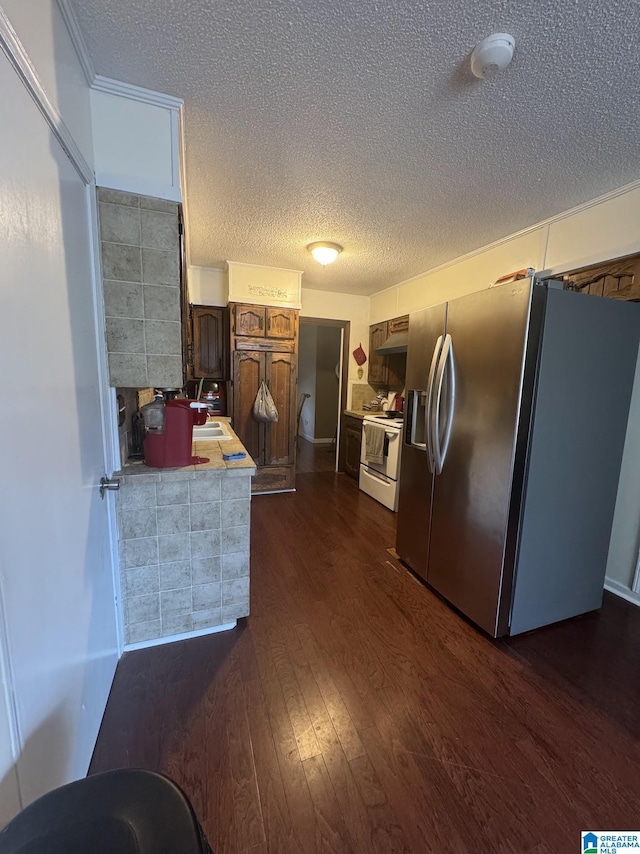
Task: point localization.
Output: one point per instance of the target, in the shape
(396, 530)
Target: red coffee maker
(169, 434)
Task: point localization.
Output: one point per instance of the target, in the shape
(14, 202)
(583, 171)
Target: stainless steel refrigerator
(517, 400)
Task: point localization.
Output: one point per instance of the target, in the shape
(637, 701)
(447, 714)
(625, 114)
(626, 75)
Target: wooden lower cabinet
(352, 444)
(272, 445)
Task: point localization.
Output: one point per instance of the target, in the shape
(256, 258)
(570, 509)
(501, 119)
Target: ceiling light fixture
(323, 252)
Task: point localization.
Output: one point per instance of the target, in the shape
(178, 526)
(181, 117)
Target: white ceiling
(359, 121)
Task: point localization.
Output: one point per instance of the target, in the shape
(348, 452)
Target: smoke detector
(492, 54)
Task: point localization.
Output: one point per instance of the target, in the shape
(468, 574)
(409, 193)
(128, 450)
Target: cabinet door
(282, 380)
(282, 322)
(209, 342)
(378, 334)
(353, 448)
(248, 373)
(249, 320)
(396, 370)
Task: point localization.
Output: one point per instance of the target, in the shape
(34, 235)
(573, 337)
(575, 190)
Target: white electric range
(380, 480)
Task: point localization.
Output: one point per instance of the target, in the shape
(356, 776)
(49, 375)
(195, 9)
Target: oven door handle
(376, 475)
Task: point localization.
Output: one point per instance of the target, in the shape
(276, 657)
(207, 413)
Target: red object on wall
(173, 447)
(359, 355)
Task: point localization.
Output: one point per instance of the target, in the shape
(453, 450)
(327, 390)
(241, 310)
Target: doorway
(321, 393)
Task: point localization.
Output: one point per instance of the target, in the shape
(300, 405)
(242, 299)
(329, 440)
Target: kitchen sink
(211, 430)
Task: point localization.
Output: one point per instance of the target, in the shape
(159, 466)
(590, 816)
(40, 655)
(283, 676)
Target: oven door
(390, 466)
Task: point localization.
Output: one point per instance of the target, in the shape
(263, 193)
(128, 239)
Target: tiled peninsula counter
(184, 544)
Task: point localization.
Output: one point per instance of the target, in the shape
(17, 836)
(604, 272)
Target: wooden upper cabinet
(399, 324)
(249, 320)
(210, 342)
(378, 334)
(259, 321)
(282, 322)
(387, 370)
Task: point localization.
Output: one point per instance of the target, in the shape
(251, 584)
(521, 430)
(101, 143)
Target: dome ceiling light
(323, 252)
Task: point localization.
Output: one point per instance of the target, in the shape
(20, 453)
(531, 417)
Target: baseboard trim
(316, 441)
(130, 647)
(621, 590)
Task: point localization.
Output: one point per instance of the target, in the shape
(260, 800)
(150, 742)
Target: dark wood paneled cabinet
(268, 353)
(388, 371)
(378, 334)
(210, 342)
(352, 444)
(260, 321)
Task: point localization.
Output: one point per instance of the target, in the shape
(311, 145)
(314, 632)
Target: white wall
(41, 29)
(58, 636)
(207, 285)
(333, 306)
(600, 230)
(136, 140)
(625, 534)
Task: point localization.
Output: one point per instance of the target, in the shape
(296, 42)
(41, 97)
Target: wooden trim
(19, 59)
(265, 345)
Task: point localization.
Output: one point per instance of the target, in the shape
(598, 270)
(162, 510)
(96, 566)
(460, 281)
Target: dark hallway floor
(315, 458)
(353, 711)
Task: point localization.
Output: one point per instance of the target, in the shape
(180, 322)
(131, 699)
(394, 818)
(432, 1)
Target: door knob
(108, 483)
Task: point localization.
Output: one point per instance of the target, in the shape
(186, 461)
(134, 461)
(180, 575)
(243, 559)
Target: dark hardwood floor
(312, 458)
(353, 711)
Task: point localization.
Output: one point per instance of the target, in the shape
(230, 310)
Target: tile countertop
(210, 448)
(358, 413)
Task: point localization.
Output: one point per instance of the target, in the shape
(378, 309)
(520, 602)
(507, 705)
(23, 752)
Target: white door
(56, 578)
(9, 792)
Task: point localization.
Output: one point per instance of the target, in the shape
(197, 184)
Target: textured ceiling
(359, 121)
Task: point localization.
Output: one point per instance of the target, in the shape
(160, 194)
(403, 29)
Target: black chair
(120, 812)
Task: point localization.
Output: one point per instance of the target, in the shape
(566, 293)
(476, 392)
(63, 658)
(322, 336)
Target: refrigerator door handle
(416, 407)
(429, 413)
(441, 445)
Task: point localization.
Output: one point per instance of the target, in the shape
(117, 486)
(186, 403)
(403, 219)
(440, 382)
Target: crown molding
(135, 93)
(75, 33)
(591, 203)
(15, 52)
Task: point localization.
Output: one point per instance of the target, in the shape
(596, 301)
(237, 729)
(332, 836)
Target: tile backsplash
(361, 393)
(141, 280)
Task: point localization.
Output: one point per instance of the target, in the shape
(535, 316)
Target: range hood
(395, 343)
